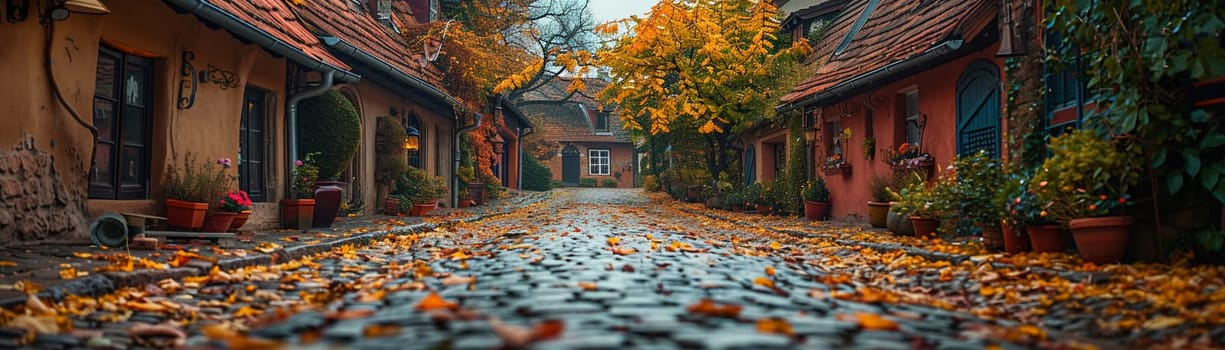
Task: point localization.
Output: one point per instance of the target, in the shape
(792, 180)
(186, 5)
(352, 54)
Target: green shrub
(816, 190)
(536, 177)
(420, 187)
(390, 161)
(586, 182)
(610, 183)
(878, 188)
(329, 125)
(193, 181)
(556, 183)
(650, 183)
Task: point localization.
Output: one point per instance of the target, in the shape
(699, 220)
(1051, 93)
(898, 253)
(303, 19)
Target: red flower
(1123, 200)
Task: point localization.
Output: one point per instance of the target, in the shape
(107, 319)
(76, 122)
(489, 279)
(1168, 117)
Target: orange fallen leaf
(764, 282)
(435, 302)
(7, 263)
(588, 286)
(519, 336)
(460, 255)
(775, 245)
(623, 251)
(872, 321)
(710, 308)
(775, 326)
(235, 340)
(770, 270)
(613, 240)
(348, 314)
(380, 330)
(455, 280)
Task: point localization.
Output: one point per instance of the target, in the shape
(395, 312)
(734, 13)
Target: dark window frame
(254, 180)
(118, 141)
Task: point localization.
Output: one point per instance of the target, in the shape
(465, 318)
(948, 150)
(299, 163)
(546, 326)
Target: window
(601, 121)
(122, 117)
(833, 132)
(598, 161)
(414, 156)
(780, 159)
(251, 143)
(1065, 89)
(914, 131)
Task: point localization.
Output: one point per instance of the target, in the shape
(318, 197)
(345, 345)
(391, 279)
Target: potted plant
(926, 205)
(834, 165)
(878, 207)
(974, 189)
(816, 199)
(190, 188)
(299, 210)
(390, 161)
(422, 190)
(1017, 209)
(226, 211)
(331, 129)
(1085, 183)
(908, 157)
(240, 201)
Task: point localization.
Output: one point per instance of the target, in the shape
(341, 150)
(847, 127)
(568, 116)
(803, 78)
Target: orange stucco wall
(372, 101)
(937, 99)
(209, 129)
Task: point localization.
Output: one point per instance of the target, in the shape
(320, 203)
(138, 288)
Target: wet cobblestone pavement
(585, 269)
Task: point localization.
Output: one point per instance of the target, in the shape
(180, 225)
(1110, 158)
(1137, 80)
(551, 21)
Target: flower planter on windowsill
(844, 169)
(926, 164)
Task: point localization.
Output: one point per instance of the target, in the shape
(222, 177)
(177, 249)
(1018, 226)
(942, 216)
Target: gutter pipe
(383, 68)
(212, 13)
(293, 114)
(942, 51)
(455, 157)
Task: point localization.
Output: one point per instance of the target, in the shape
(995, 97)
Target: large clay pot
(878, 213)
(391, 206)
(185, 214)
(476, 191)
(816, 211)
(993, 237)
(297, 213)
(1047, 238)
(1016, 240)
(239, 220)
(420, 209)
(924, 227)
(1101, 240)
(899, 224)
(218, 221)
(327, 203)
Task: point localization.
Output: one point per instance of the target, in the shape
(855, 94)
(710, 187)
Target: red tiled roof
(348, 21)
(564, 121)
(555, 90)
(275, 18)
(897, 30)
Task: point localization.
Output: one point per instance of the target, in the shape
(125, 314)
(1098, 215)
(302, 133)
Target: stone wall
(37, 202)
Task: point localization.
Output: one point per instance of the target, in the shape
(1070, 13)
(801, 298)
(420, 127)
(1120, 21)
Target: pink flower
(297, 162)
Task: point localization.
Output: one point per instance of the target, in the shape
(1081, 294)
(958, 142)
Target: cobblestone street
(583, 269)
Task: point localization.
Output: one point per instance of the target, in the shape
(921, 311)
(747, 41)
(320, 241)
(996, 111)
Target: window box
(841, 168)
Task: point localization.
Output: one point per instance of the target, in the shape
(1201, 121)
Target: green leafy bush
(390, 161)
(816, 191)
(536, 176)
(650, 183)
(878, 188)
(329, 125)
(304, 176)
(419, 186)
(200, 182)
(587, 182)
(977, 177)
(610, 183)
(1085, 176)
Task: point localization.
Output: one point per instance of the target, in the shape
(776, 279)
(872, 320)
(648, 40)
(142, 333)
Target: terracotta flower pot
(239, 220)
(924, 227)
(993, 237)
(218, 221)
(420, 209)
(1101, 240)
(1047, 238)
(899, 224)
(297, 213)
(185, 214)
(816, 211)
(878, 213)
(391, 206)
(466, 202)
(1016, 240)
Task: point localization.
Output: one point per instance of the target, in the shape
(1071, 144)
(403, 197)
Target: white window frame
(599, 162)
(912, 116)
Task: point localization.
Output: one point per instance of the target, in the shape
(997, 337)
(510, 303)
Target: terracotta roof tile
(564, 121)
(274, 17)
(895, 31)
(348, 21)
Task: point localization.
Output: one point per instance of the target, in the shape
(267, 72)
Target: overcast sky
(608, 10)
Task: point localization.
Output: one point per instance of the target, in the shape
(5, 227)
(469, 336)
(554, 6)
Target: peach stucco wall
(209, 129)
(937, 99)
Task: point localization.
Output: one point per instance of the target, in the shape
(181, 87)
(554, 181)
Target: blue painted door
(978, 110)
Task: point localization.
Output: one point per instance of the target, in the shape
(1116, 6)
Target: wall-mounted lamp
(810, 135)
(497, 143)
(85, 7)
(413, 140)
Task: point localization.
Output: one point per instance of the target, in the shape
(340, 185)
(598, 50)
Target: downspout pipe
(945, 50)
(455, 158)
(292, 125)
(381, 67)
(209, 12)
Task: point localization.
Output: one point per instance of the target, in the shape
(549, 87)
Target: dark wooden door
(570, 166)
(978, 110)
(122, 115)
(251, 144)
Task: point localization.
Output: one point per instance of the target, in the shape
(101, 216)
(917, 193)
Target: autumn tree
(710, 67)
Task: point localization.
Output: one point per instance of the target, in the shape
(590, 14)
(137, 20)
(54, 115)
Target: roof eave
(382, 67)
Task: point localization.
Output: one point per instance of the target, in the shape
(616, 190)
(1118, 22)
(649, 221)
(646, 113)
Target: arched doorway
(978, 110)
(569, 166)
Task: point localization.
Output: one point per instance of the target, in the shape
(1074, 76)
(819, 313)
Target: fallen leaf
(455, 280)
(710, 308)
(770, 271)
(341, 315)
(588, 286)
(35, 324)
(623, 251)
(146, 334)
(613, 240)
(435, 302)
(1162, 322)
(221, 332)
(519, 336)
(775, 326)
(871, 321)
(7, 263)
(380, 330)
(764, 282)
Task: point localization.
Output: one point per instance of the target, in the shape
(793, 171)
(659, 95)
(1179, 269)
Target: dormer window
(601, 122)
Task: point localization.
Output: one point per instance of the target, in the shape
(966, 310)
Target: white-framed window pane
(912, 117)
(598, 162)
